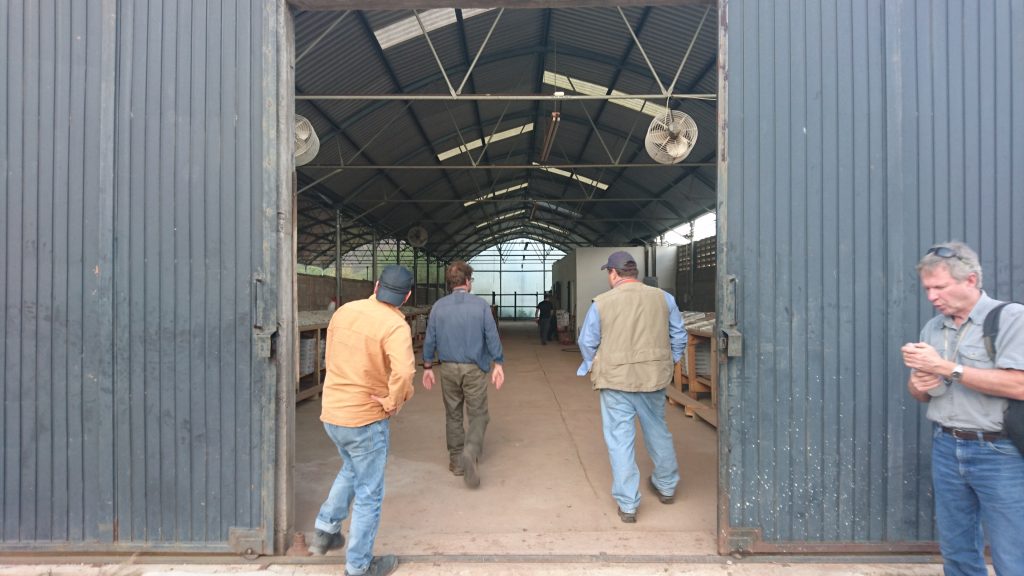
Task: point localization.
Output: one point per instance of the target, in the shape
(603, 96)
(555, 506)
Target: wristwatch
(427, 366)
(957, 373)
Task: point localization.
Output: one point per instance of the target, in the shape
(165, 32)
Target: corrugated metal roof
(384, 53)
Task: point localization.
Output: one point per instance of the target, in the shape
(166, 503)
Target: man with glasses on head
(977, 473)
(631, 338)
(462, 335)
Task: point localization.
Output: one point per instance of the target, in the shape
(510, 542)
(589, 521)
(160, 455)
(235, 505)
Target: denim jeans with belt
(978, 484)
(618, 410)
(359, 485)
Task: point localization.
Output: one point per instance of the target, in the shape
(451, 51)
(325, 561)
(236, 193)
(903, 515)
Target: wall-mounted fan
(417, 236)
(671, 137)
(307, 144)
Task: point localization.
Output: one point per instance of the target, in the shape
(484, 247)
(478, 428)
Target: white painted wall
(591, 280)
(564, 273)
(666, 263)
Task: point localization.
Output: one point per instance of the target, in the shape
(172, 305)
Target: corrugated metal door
(856, 134)
(56, 204)
(140, 226)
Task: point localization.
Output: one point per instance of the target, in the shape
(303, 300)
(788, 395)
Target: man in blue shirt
(632, 336)
(462, 335)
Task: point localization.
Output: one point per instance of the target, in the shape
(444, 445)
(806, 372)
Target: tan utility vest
(635, 354)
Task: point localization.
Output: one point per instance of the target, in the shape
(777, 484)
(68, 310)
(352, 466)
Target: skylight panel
(557, 229)
(590, 89)
(408, 28)
(560, 210)
(502, 217)
(492, 237)
(495, 194)
(577, 177)
(703, 227)
(475, 143)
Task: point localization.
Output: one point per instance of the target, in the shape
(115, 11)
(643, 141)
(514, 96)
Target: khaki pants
(464, 384)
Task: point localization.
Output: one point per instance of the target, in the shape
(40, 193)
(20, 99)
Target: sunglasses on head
(943, 252)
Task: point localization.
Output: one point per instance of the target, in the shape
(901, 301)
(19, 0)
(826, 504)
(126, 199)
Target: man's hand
(384, 404)
(921, 357)
(921, 382)
(498, 376)
(428, 378)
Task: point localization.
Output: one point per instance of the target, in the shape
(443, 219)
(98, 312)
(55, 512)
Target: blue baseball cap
(395, 283)
(620, 261)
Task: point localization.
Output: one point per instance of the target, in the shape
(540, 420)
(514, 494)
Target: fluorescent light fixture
(408, 28)
(475, 143)
(496, 193)
(502, 217)
(577, 177)
(591, 89)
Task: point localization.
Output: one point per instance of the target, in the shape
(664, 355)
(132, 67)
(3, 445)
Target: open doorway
(543, 137)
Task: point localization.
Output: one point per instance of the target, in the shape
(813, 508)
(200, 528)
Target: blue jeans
(977, 484)
(618, 410)
(359, 485)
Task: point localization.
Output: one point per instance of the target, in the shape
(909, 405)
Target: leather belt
(961, 434)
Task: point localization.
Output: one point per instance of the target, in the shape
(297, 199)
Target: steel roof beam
(464, 43)
(405, 97)
(499, 167)
(712, 66)
(394, 79)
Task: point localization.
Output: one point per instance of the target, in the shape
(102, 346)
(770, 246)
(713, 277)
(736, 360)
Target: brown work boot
(324, 542)
(663, 498)
(380, 566)
(455, 467)
(627, 517)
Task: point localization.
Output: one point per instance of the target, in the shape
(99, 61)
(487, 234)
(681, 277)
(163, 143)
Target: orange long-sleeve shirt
(369, 353)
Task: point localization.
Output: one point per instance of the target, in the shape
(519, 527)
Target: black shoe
(324, 541)
(380, 566)
(664, 499)
(543, 343)
(472, 475)
(627, 517)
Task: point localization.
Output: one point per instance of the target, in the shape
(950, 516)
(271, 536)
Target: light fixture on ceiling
(549, 136)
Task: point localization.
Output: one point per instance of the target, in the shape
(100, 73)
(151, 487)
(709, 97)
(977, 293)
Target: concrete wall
(315, 292)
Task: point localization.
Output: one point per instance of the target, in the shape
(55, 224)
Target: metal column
(337, 257)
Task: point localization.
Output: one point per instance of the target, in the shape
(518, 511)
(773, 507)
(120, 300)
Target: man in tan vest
(632, 336)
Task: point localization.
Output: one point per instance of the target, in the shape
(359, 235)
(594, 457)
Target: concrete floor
(546, 481)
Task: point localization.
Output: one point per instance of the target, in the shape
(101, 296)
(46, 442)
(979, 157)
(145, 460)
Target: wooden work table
(689, 385)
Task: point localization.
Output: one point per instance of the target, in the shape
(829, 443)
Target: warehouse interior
(442, 133)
